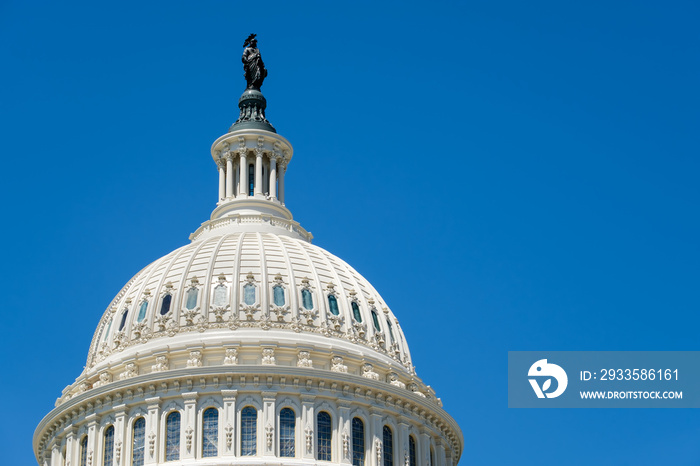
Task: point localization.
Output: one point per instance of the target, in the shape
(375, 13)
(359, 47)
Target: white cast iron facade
(248, 346)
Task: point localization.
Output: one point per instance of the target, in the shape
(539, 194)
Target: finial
(253, 65)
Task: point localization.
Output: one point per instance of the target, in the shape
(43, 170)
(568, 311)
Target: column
(243, 180)
(119, 435)
(228, 422)
(401, 440)
(375, 430)
(152, 426)
(93, 455)
(268, 419)
(344, 432)
(273, 177)
(229, 175)
(424, 448)
(440, 458)
(72, 446)
(56, 453)
(63, 452)
(282, 169)
(308, 427)
(188, 426)
(222, 181)
(258, 172)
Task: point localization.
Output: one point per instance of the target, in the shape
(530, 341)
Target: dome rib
(210, 275)
(98, 335)
(293, 300)
(185, 275)
(175, 308)
(360, 294)
(236, 275)
(320, 304)
(151, 269)
(264, 285)
(341, 291)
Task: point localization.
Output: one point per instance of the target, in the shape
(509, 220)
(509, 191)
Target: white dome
(204, 282)
(248, 346)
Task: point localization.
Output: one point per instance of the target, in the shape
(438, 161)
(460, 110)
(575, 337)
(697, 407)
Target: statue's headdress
(249, 40)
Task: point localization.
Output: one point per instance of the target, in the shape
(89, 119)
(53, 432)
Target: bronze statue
(253, 65)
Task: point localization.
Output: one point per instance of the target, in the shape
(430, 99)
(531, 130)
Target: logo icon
(544, 369)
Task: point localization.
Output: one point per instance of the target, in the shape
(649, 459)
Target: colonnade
(236, 177)
(229, 404)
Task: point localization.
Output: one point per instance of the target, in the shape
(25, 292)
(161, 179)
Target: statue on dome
(253, 65)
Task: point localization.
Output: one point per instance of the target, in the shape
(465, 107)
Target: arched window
(358, 442)
(165, 305)
(139, 442)
(278, 295)
(412, 451)
(123, 321)
(142, 311)
(191, 298)
(172, 436)
(375, 319)
(432, 456)
(220, 295)
(249, 431)
(287, 424)
(210, 433)
(391, 332)
(249, 294)
(251, 179)
(387, 447)
(324, 433)
(83, 451)
(356, 311)
(333, 305)
(108, 452)
(306, 299)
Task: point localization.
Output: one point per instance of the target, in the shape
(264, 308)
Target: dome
(237, 288)
(250, 345)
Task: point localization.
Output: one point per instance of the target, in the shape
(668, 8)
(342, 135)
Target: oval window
(142, 311)
(306, 299)
(123, 321)
(220, 293)
(109, 327)
(278, 295)
(191, 298)
(333, 305)
(376, 320)
(165, 305)
(356, 311)
(249, 294)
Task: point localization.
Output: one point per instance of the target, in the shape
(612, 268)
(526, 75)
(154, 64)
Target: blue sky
(509, 176)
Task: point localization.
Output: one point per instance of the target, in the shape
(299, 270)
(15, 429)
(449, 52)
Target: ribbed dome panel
(259, 261)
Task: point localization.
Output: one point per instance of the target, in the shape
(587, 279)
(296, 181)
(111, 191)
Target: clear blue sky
(509, 175)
